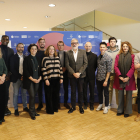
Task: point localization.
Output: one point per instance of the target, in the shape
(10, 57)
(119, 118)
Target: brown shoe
(137, 118)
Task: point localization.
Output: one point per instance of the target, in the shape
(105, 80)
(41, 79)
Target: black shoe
(126, 115)
(119, 114)
(5, 114)
(81, 110)
(16, 112)
(0, 123)
(91, 107)
(33, 118)
(3, 120)
(59, 106)
(55, 110)
(39, 107)
(85, 106)
(36, 114)
(66, 105)
(71, 110)
(8, 112)
(26, 109)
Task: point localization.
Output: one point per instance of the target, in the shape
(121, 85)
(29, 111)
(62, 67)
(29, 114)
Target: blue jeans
(16, 87)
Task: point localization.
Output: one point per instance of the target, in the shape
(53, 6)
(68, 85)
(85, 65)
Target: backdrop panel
(51, 38)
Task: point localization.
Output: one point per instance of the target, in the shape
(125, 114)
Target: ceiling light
(7, 19)
(47, 16)
(52, 5)
(24, 27)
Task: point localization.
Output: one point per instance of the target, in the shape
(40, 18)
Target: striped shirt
(51, 68)
(104, 65)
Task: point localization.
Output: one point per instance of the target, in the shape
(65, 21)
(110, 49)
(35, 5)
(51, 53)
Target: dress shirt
(75, 54)
(20, 64)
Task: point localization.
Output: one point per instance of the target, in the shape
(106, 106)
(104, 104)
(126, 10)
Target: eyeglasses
(74, 43)
(60, 45)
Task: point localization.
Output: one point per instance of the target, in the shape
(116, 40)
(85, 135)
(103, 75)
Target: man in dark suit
(40, 54)
(62, 54)
(6, 55)
(16, 68)
(76, 63)
(90, 75)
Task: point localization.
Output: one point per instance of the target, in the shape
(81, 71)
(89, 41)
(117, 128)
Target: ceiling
(31, 13)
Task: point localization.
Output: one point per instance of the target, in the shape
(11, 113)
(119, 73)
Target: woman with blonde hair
(3, 72)
(124, 78)
(53, 76)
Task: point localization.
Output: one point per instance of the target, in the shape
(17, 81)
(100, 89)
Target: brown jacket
(79, 66)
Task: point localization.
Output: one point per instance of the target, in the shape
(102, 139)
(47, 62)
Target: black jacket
(14, 68)
(28, 71)
(10, 52)
(92, 65)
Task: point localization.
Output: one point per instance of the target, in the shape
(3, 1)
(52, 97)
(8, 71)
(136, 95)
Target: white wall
(119, 27)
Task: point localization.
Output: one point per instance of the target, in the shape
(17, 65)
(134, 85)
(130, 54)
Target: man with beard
(6, 55)
(112, 51)
(16, 68)
(76, 63)
(40, 54)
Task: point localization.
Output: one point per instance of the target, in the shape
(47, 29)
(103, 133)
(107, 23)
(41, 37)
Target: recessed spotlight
(24, 27)
(2, 2)
(52, 5)
(47, 16)
(7, 19)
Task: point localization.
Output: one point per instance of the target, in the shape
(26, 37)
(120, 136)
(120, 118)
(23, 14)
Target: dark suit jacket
(9, 54)
(64, 61)
(92, 65)
(14, 68)
(78, 66)
(28, 71)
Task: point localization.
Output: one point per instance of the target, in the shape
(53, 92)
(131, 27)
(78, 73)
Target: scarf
(125, 61)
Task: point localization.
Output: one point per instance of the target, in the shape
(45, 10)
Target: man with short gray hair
(76, 63)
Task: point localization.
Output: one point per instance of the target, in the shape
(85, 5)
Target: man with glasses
(62, 54)
(76, 64)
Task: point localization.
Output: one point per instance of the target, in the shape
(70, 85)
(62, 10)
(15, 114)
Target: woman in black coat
(31, 77)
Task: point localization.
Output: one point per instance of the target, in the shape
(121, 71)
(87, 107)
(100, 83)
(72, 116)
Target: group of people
(48, 68)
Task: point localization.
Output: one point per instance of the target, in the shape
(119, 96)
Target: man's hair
(112, 38)
(74, 39)
(103, 43)
(19, 44)
(30, 46)
(5, 36)
(60, 42)
(41, 39)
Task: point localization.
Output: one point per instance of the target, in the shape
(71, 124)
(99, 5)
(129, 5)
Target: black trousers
(91, 88)
(7, 92)
(76, 83)
(65, 86)
(52, 96)
(32, 92)
(3, 99)
(138, 95)
(40, 92)
(100, 89)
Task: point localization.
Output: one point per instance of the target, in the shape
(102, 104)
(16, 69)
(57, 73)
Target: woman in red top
(124, 78)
